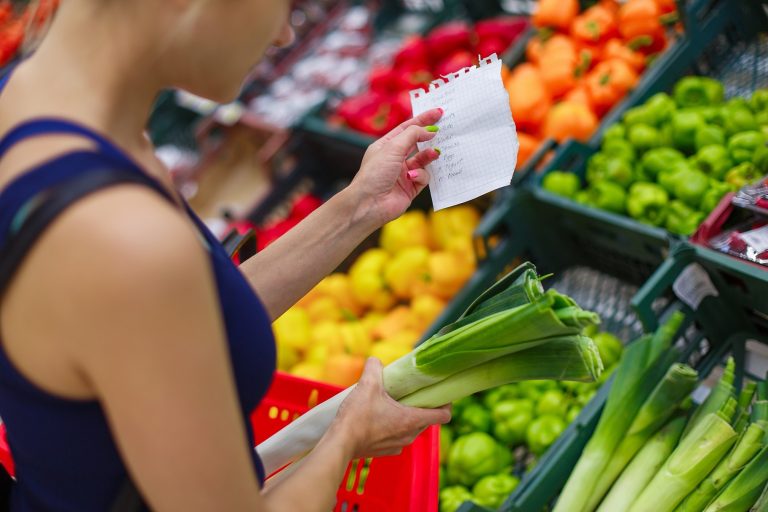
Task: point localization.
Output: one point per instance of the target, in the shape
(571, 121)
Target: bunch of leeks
(514, 331)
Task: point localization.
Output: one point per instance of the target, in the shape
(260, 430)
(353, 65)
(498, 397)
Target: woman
(132, 349)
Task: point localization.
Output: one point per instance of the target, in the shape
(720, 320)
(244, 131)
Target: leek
(762, 502)
(697, 454)
(643, 467)
(636, 375)
(746, 448)
(515, 318)
(575, 357)
(676, 385)
(742, 492)
(717, 397)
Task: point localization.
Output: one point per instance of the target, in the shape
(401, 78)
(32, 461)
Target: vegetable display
(671, 160)
(580, 64)
(384, 303)
(446, 49)
(514, 331)
(711, 458)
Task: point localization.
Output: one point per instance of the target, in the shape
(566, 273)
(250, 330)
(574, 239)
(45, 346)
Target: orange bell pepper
(616, 49)
(528, 97)
(533, 50)
(528, 146)
(594, 25)
(639, 18)
(579, 94)
(557, 14)
(588, 56)
(608, 83)
(666, 6)
(570, 119)
(558, 65)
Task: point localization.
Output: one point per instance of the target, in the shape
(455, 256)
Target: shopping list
(477, 137)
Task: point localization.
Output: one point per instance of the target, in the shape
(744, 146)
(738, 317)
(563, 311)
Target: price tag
(693, 285)
(757, 239)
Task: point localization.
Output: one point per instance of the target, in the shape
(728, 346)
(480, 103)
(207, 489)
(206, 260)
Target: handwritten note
(477, 137)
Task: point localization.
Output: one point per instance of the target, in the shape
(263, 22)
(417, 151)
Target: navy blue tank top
(66, 458)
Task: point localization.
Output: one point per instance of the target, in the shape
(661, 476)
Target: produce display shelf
(712, 331)
(729, 47)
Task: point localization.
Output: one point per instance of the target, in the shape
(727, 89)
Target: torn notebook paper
(477, 138)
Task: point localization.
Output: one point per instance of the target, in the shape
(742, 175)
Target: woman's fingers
(427, 118)
(404, 142)
(422, 159)
(419, 178)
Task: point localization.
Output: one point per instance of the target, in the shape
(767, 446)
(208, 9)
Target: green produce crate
(716, 328)
(727, 46)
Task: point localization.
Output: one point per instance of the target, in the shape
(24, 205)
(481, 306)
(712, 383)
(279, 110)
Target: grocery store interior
(585, 278)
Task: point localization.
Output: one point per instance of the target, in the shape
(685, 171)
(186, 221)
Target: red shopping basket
(405, 483)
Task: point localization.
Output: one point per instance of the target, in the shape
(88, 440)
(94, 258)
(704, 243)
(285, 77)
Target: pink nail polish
(441, 110)
(412, 175)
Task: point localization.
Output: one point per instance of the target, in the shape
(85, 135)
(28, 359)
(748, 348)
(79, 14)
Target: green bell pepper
(667, 178)
(648, 203)
(552, 402)
(711, 115)
(760, 159)
(743, 174)
(658, 159)
(511, 419)
(459, 405)
(742, 146)
(451, 498)
(446, 439)
(562, 183)
(596, 167)
(639, 115)
(500, 394)
(543, 431)
(685, 124)
(759, 100)
(473, 418)
(491, 491)
(690, 187)
(737, 102)
(695, 91)
(614, 132)
(619, 171)
(713, 161)
(584, 398)
(533, 389)
(609, 346)
(607, 195)
(761, 118)
(738, 119)
(713, 195)
(643, 137)
(619, 148)
(474, 456)
(682, 219)
(583, 197)
(661, 106)
(572, 414)
(707, 135)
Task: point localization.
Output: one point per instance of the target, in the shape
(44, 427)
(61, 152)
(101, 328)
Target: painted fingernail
(441, 110)
(437, 151)
(412, 175)
(432, 128)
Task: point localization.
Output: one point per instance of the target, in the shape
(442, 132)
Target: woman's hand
(378, 425)
(388, 179)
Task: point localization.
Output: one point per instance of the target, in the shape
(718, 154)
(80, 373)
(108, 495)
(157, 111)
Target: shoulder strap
(47, 205)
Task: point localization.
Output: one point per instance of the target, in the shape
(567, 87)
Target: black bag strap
(46, 206)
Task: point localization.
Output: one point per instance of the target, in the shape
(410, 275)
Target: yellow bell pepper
(448, 273)
(293, 328)
(388, 352)
(367, 279)
(329, 334)
(344, 369)
(356, 338)
(409, 230)
(458, 221)
(286, 357)
(404, 270)
(311, 371)
(399, 319)
(317, 354)
(339, 287)
(324, 308)
(426, 308)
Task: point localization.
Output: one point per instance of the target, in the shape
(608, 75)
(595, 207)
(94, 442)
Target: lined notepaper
(477, 137)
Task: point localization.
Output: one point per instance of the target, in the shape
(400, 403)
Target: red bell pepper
(458, 60)
(408, 79)
(507, 28)
(383, 80)
(450, 38)
(413, 53)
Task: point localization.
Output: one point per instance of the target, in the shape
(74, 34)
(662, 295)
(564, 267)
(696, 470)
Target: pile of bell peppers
(581, 64)
(13, 25)
(671, 160)
(497, 434)
(446, 49)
